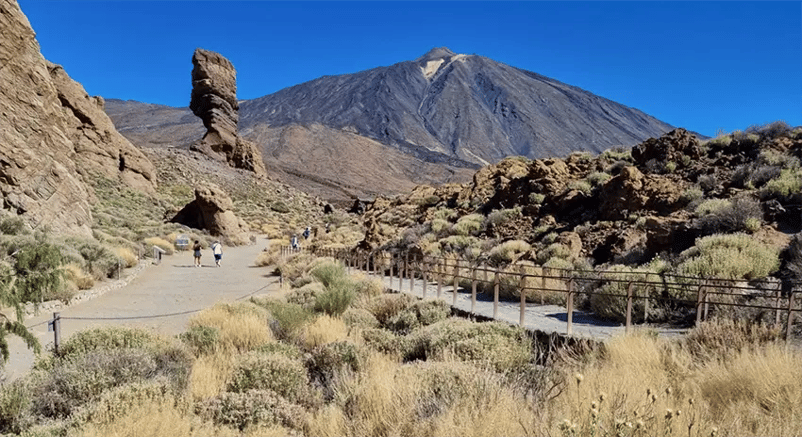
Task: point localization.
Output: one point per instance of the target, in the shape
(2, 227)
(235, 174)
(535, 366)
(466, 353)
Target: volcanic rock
(214, 100)
(212, 210)
(54, 138)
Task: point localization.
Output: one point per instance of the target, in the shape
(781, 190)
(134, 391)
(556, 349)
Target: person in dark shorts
(217, 250)
(197, 253)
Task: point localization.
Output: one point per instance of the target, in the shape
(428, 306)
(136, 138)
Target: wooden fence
(527, 282)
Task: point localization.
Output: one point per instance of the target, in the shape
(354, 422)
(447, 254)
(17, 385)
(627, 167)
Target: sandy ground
(161, 298)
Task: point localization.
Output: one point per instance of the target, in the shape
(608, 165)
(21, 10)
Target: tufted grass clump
(239, 327)
(419, 314)
(286, 318)
(323, 330)
(468, 224)
(610, 300)
(787, 183)
(729, 256)
(161, 243)
(597, 178)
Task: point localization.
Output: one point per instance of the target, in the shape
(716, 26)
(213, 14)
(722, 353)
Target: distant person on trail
(197, 248)
(217, 250)
(306, 233)
(294, 242)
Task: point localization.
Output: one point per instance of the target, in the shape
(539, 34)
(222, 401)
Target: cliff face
(54, 138)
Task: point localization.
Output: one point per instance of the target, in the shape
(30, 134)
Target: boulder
(54, 138)
(212, 210)
(214, 100)
(670, 147)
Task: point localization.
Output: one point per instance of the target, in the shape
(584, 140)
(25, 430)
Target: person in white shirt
(217, 250)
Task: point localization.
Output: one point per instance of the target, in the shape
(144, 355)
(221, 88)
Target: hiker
(197, 248)
(306, 233)
(217, 250)
(327, 227)
(294, 242)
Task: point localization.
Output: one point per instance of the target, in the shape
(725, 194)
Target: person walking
(197, 253)
(217, 251)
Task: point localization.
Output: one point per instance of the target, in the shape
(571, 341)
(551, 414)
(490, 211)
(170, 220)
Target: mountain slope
(464, 107)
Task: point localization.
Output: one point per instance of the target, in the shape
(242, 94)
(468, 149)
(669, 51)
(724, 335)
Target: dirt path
(174, 286)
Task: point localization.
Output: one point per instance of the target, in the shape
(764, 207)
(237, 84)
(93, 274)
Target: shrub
(12, 225)
(330, 361)
(306, 295)
(267, 258)
(387, 306)
(444, 214)
(15, 404)
(581, 186)
(724, 338)
(75, 274)
(691, 194)
(127, 256)
(500, 216)
(286, 318)
(335, 301)
(421, 313)
(281, 374)
(468, 224)
(597, 178)
(712, 206)
(508, 252)
(732, 256)
(201, 340)
(242, 410)
(439, 226)
(360, 318)
(536, 198)
(670, 166)
(496, 344)
(720, 215)
(109, 338)
(384, 341)
(789, 182)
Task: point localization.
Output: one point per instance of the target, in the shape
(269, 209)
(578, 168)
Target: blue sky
(705, 66)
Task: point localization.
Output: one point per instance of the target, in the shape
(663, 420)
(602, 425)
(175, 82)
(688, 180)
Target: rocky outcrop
(53, 137)
(212, 210)
(214, 100)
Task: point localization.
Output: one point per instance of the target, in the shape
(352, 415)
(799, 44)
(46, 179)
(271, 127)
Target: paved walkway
(544, 318)
(174, 286)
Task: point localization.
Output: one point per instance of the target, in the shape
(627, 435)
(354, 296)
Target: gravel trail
(175, 287)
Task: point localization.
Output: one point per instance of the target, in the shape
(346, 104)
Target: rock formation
(214, 100)
(212, 210)
(54, 138)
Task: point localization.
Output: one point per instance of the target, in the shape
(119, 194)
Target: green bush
(360, 318)
(306, 295)
(15, 403)
(729, 256)
(720, 215)
(597, 178)
(496, 344)
(289, 350)
(508, 252)
(468, 224)
(100, 260)
(251, 408)
(112, 337)
(581, 186)
(275, 372)
(421, 313)
(500, 216)
(331, 360)
(336, 300)
(536, 198)
(201, 340)
(12, 225)
(387, 306)
(384, 341)
(789, 182)
(286, 318)
(692, 193)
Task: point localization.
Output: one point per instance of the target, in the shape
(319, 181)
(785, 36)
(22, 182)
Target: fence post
(570, 307)
(425, 267)
(456, 281)
(545, 271)
(522, 289)
(411, 275)
(392, 261)
(495, 294)
(629, 308)
(706, 303)
(473, 291)
(699, 299)
(56, 331)
(788, 327)
(440, 268)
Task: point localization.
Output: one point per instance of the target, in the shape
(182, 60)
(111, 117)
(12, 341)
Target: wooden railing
(531, 283)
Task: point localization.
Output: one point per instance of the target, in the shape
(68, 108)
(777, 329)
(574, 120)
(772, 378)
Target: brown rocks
(212, 210)
(53, 137)
(670, 147)
(214, 100)
(632, 191)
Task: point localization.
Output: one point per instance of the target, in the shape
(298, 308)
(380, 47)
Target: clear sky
(705, 66)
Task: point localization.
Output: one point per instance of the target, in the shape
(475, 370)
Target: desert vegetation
(335, 355)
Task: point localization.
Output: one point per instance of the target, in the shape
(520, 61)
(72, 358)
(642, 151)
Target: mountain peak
(436, 53)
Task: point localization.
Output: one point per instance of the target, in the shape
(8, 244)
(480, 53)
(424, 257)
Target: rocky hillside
(55, 140)
(665, 201)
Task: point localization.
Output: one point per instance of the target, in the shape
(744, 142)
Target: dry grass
(268, 257)
(241, 326)
(210, 374)
(161, 243)
(127, 255)
(323, 330)
(77, 275)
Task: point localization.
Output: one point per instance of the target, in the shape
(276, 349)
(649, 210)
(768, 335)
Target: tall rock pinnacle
(214, 100)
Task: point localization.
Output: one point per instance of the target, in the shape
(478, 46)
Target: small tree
(27, 272)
